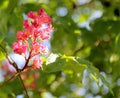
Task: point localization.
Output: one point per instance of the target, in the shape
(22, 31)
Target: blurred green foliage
(86, 40)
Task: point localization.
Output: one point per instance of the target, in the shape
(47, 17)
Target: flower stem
(27, 61)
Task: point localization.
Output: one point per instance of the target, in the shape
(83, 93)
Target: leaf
(106, 83)
(5, 15)
(3, 94)
(73, 68)
(94, 77)
(16, 20)
(67, 64)
(55, 65)
(27, 7)
(11, 87)
(66, 38)
(94, 72)
(10, 39)
(2, 55)
(3, 21)
(2, 36)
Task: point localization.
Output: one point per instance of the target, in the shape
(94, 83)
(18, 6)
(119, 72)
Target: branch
(77, 50)
(27, 61)
(23, 85)
(9, 80)
(11, 61)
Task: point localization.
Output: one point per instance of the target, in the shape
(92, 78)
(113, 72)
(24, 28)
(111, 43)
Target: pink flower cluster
(37, 28)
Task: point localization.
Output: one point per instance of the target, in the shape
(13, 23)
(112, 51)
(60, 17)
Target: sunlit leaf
(2, 55)
(54, 63)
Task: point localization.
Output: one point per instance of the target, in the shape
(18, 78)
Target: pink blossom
(40, 27)
(32, 15)
(41, 18)
(36, 63)
(38, 49)
(26, 24)
(21, 35)
(35, 49)
(43, 49)
(37, 28)
(30, 31)
(44, 33)
(44, 17)
(36, 22)
(19, 47)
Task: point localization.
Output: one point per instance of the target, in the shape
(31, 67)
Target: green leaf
(2, 55)
(3, 21)
(54, 63)
(94, 77)
(65, 44)
(3, 95)
(94, 72)
(73, 68)
(2, 36)
(10, 39)
(106, 83)
(27, 7)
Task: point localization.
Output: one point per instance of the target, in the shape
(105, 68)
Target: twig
(77, 50)
(9, 80)
(11, 61)
(23, 86)
(26, 64)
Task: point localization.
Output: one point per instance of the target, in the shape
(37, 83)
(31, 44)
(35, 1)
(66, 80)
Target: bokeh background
(88, 29)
